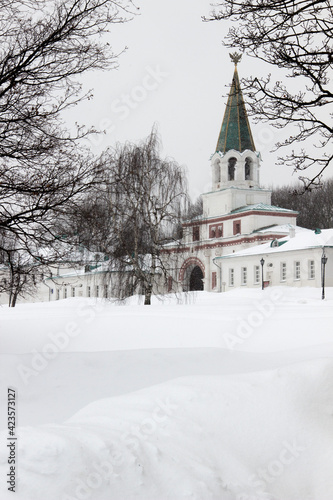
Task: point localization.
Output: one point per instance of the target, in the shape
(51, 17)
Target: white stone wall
(272, 269)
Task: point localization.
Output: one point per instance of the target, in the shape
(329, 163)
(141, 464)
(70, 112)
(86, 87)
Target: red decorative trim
(188, 262)
(220, 244)
(239, 215)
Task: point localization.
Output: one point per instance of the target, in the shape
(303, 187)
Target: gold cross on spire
(235, 57)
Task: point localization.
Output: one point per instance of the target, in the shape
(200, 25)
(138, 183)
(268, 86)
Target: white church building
(241, 239)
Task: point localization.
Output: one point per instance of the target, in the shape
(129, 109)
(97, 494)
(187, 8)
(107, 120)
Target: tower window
(248, 169)
(217, 171)
(231, 168)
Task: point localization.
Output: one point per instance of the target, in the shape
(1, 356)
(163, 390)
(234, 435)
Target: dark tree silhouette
(315, 206)
(44, 169)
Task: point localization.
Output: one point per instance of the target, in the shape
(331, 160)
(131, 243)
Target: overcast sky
(175, 73)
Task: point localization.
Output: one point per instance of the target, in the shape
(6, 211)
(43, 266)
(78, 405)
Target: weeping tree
(296, 36)
(143, 198)
(44, 169)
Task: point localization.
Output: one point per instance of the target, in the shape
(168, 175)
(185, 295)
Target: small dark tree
(20, 272)
(295, 35)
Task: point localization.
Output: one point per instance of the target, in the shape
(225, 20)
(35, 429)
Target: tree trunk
(12, 299)
(148, 293)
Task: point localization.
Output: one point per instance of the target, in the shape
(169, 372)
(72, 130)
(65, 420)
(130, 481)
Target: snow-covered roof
(261, 207)
(302, 240)
(282, 229)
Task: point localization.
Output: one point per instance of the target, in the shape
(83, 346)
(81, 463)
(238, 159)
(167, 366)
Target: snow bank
(201, 396)
(265, 435)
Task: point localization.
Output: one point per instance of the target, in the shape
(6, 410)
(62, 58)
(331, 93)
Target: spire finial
(235, 57)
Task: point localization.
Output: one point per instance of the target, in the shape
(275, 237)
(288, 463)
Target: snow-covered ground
(201, 396)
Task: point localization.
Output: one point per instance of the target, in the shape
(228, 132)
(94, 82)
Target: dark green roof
(262, 207)
(235, 131)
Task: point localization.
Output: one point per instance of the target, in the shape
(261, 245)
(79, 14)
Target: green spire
(235, 131)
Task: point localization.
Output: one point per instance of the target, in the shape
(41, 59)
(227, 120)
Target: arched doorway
(196, 277)
(191, 274)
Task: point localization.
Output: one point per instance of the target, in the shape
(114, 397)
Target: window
(73, 292)
(283, 271)
(97, 290)
(212, 231)
(220, 231)
(312, 270)
(169, 283)
(248, 165)
(196, 233)
(297, 269)
(88, 291)
(231, 277)
(231, 169)
(217, 171)
(106, 291)
(65, 293)
(256, 274)
(237, 227)
(244, 276)
(214, 280)
(58, 293)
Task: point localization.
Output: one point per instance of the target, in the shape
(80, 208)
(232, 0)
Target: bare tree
(143, 201)
(44, 169)
(194, 209)
(295, 35)
(45, 172)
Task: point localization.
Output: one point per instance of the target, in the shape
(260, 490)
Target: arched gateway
(192, 274)
(196, 278)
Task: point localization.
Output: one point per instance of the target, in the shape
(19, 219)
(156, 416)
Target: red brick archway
(191, 262)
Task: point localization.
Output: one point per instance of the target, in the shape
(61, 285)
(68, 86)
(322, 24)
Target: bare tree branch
(294, 35)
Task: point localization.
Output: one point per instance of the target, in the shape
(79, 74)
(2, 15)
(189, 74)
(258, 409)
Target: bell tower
(236, 163)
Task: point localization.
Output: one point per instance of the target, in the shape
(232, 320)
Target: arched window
(248, 169)
(217, 171)
(231, 168)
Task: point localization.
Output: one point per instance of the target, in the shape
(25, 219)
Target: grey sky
(175, 74)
